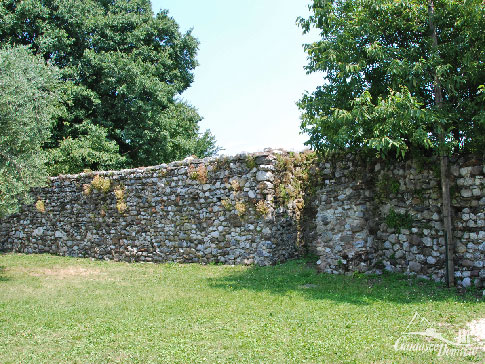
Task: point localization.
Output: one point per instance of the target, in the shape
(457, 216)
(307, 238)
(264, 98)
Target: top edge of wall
(185, 162)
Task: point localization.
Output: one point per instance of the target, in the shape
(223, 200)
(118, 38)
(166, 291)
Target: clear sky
(251, 69)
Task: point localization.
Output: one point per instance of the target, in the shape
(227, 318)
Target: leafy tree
(29, 100)
(398, 75)
(91, 148)
(123, 69)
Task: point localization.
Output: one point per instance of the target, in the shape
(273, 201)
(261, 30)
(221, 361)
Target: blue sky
(251, 69)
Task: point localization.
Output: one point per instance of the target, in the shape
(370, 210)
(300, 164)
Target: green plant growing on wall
(221, 163)
(40, 206)
(192, 172)
(227, 205)
(386, 186)
(290, 191)
(262, 208)
(199, 174)
(299, 203)
(250, 162)
(121, 206)
(87, 189)
(284, 162)
(293, 176)
(396, 220)
(101, 184)
(427, 225)
(283, 194)
(235, 185)
(240, 208)
(292, 180)
(119, 193)
(419, 194)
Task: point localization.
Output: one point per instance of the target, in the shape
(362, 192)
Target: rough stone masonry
(190, 211)
(356, 214)
(371, 216)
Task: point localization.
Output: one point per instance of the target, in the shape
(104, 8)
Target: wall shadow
(297, 276)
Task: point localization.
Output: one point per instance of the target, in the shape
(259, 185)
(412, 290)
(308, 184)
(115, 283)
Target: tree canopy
(29, 102)
(381, 67)
(123, 70)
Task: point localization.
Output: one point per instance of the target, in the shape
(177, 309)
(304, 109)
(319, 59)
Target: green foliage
(250, 162)
(29, 101)
(379, 65)
(204, 144)
(283, 194)
(90, 148)
(398, 221)
(123, 70)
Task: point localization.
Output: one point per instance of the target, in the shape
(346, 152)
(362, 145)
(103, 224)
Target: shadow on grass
(3, 277)
(297, 277)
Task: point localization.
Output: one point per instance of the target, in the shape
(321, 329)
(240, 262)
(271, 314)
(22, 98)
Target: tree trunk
(445, 187)
(445, 181)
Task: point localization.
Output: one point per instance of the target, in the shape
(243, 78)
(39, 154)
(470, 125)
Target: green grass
(66, 310)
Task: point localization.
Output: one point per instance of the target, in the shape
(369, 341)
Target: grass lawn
(67, 310)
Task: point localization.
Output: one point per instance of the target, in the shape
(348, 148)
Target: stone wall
(372, 216)
(206, 211)
(356, 214)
